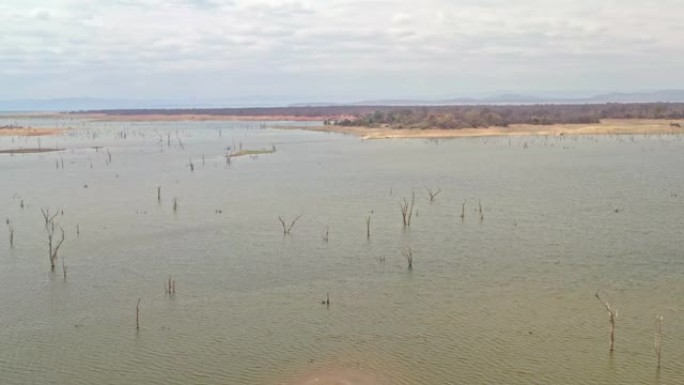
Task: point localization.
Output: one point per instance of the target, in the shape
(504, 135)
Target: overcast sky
(336, 50)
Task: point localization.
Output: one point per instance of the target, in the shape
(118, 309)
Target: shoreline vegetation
(402, 117)
(376, 122)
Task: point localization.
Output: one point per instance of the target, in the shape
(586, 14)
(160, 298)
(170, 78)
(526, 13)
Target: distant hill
(69, 104)
(666, 96)
(669, 96)
(89, 104)
(86, 104)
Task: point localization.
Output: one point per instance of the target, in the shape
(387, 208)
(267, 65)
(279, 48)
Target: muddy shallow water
(504, 299)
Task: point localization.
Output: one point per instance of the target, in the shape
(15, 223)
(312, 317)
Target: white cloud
(378, 48)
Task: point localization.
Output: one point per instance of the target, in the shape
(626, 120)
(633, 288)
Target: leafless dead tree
(137, 315)
(286, 228)
(10, 228)
(613, 314)
(408, 255)
(170, 286)
(479, 202)
(658, 321)
(53, 247)
(46, 215)
(432, 193)
(407, 209)
(175, 204)
(326, 233)
(463, 209)
(368, 223)
(158, 193)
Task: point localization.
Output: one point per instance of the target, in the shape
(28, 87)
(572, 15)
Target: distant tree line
(454, 117)
(446, 117)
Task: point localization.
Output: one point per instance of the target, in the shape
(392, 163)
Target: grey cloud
(434, 46)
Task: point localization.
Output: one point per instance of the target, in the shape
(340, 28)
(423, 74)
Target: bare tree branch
(433, 194)
(286, 228)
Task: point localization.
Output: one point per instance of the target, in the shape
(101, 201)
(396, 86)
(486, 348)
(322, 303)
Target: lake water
(508, 299)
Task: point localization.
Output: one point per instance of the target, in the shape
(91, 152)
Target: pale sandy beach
(606, 127)
(29, 131)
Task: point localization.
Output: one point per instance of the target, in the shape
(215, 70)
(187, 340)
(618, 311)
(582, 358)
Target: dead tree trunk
(368, 223)
(137, 315)
(53, 247)
(659, 320)
(286, 228)
(407, 209)
(613, 314)
(10, 228)
(432, 193)
(408, 255)
(463, 209)
(327, 232)
(171, 286)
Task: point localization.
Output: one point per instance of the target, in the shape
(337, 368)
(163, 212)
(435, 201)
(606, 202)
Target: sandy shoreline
(29, 131)
(32, 150)
(606, 127)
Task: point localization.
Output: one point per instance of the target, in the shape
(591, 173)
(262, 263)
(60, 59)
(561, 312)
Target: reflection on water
(507, 299)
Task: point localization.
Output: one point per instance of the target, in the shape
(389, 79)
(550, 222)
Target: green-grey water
(508, 299)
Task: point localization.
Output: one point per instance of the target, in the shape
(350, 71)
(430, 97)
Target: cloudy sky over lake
(336, 50)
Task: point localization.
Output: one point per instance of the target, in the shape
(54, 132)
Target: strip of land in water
(375, 122)
(29, 150)
(249, 152)
(605, 127)
(28, 131)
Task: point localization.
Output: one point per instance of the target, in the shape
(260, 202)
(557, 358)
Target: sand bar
(29, 150)
(606, 127)
(29, 131)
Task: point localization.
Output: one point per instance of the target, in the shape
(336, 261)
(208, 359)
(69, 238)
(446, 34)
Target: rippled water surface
(507, 299)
